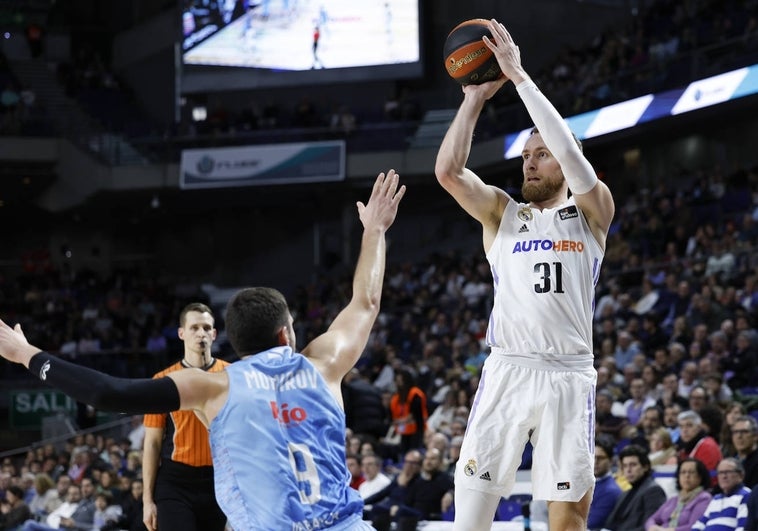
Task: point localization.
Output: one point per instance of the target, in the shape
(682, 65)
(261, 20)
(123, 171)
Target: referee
(176, 464)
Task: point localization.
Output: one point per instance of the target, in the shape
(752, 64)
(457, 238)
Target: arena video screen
(242, 44)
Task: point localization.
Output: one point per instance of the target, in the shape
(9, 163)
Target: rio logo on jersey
(525, 246)
(286, 415)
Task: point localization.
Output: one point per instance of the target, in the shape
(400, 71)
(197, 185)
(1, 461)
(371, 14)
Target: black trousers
(186, 499)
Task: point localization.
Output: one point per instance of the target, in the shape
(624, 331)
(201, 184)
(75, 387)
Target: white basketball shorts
(515, 398)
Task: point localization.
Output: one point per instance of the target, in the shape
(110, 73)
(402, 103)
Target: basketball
(467, 58)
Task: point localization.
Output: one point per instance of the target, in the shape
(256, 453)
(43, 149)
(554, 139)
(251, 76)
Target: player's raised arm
(592, 196)
(337, 350)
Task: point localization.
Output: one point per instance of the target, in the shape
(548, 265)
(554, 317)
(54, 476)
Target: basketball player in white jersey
(538, 382)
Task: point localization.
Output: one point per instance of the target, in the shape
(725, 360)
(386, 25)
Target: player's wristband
(105, 392)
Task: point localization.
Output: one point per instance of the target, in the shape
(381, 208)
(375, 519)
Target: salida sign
(29, 407)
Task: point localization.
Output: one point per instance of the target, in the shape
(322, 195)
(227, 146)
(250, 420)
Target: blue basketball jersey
(279, 448)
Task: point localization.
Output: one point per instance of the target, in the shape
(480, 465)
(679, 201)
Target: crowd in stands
(90, 483)
(654, 53)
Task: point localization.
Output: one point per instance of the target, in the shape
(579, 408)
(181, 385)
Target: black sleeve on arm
(105, 392)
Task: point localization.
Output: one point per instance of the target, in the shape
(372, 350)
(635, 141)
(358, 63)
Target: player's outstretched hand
(507, 53)
(381, 208)
(14, 346)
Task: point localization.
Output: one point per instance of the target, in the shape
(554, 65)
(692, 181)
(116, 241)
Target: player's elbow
(446, 175)
(372, 303)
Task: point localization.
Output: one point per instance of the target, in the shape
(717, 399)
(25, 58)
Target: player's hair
(702, 472)
(198, 307)
(535, 131)
(254, 317)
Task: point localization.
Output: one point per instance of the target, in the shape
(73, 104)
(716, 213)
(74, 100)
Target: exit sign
(29, 407)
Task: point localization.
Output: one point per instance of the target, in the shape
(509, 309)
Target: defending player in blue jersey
(276, 417)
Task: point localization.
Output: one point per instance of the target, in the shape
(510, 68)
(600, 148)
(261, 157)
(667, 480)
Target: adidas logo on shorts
(485, 476)
(564, 485)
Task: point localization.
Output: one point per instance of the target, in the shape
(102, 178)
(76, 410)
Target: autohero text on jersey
(525, 246)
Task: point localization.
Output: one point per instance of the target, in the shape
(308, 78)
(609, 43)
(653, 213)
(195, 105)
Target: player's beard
(542, 190)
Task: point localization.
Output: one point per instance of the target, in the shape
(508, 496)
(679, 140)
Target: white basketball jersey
(545, 265)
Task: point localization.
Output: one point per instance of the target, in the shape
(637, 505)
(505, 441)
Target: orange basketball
(467, 58)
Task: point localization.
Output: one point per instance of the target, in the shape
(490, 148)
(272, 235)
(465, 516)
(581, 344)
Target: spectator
(732, 412)
(669, 392)
(636, 505)
(740, 368)
(626, 349)
(440, 442)
(84, 515)
(638, 402)
(61, 488)
(695, 442)
(662, 449)
(605, 420)
(430, 495)
(687, 379)
(728, 509)
(607, 490)
(379, 506)
(653, 336)
(364, 411)
(136, 435)
(745, 440)
(699, 398)
(354, 467)
(81, 465)
(720, 262)
(454, 453)
(713, 419)
(408, 410)
(108, 485)
(443, 414)
(60, 517)
(13, 510)
(714, 384)
(680, 512)
(107, 514)
(375, 479)
(131, 506)
(45, 493)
